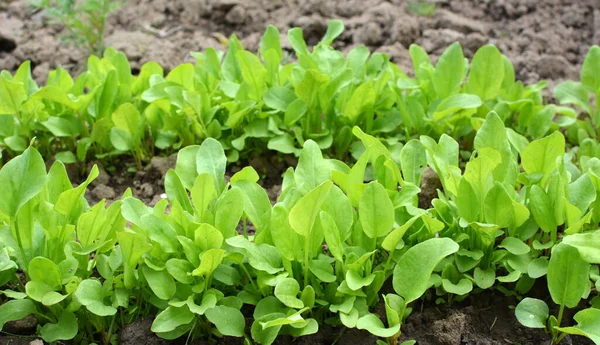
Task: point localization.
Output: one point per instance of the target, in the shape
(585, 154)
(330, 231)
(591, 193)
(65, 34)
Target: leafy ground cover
(346, 244)
(320, 255)
(254, 103)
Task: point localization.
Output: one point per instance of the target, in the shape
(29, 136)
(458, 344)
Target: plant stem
(306, 258)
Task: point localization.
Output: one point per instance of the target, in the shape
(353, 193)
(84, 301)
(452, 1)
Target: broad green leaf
(540, 155)
(161, 282)
(332, 235)
(587, 244)
(312, 169)
(133, 246)
(567, 275)
(487, 73)
(376, 211)
(176, 191)
(45, 271)
(171, 318)
(270, 40)
(498, 207)
(22, 178)
(449, 71)
(514, 246)
(65, 329)
(12, 95)
(413, 271)
(305, 212)
(207, 237)
(209, 261)
(572, 92)
(203, 193)
(253, 73)
(211, 159)
(541, 209)
(322, 270)
(229, 321)
(373, 324)
(287, 291)
(334, 29)
(91, 294)
(228, 211)
(590, 75)
(413, 159)
(588, 325)
(532, 313)
(456, 103)
(186, 165)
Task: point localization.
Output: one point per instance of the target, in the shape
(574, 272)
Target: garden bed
(544, 39)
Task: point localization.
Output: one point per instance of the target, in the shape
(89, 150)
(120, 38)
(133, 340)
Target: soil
(545, 39)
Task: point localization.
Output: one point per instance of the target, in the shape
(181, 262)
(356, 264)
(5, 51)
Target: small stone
(370, 34)
(146, 190)
(237, 15)
(104, 192)
(163, 164)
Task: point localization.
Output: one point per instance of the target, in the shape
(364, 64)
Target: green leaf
(456, 103)
(334, 29)
(211, 159)
(413, 271)
(587, 244)
(590, 75)
(487, 73)
(413, 159)
(176, 191)
(588, 325)
(22, 178)
(45, 271)
(355, 281)
(133, 246)
(91, 294)
(567, 275)
(304, 213)
(373, 324)
(160, 282)
(229, 321)
(572, 92)
(540, 155)
(287, 291)
(376, 211)
(65, 329)
(498, 206)
(209, 261)
(312, 169)
(12, 95)
(514, 246)
(542, 209)
(14, 310)
(532, 313)
(322, 269)
(449, 71)
(171, 318)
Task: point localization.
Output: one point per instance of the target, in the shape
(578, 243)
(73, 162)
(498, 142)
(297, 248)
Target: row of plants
(252, 103)
(519, 211)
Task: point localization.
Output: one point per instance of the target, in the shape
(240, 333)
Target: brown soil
(545, 39)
